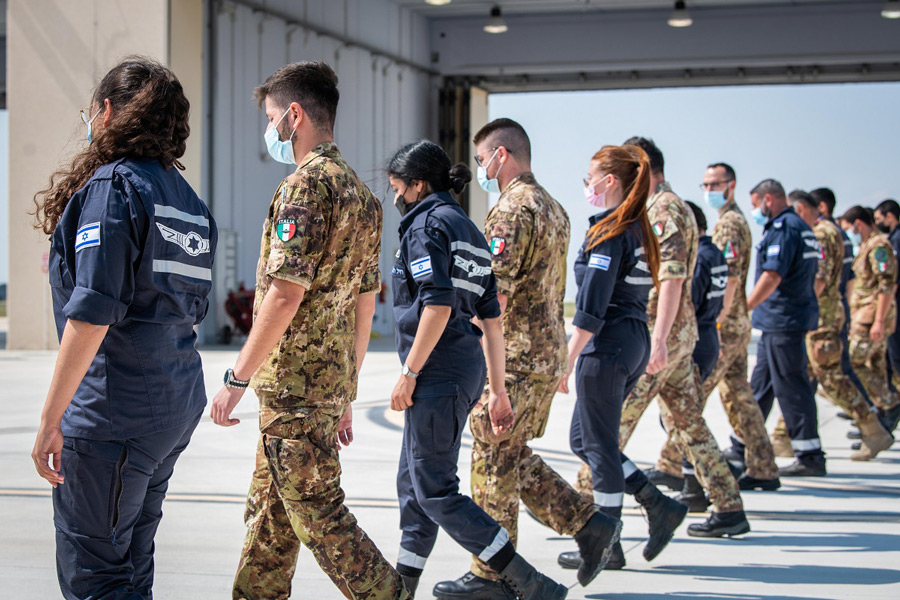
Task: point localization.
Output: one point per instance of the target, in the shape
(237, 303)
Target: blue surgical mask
(715, 198)
(283, 152)
(855, 238)
(89, 123)
(491, 186)
(758, 216)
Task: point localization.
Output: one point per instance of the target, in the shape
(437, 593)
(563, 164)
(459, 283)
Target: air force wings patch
(191, 242)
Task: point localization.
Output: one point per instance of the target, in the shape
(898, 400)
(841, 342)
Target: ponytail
(631, 166)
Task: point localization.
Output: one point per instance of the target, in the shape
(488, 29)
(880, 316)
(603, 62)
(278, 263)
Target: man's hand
(223, 404)
(564, 384)
(876, 332)
(659, 357)
(500, 411)
(345, 428)
(49, 442)
(401, 397)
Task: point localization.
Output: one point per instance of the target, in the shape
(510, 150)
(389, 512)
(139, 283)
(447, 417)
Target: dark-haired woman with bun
(442, 286)
(614, 271)
(131, 259)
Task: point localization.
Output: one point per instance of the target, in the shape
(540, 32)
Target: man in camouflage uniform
(316, 280)
(671, 372)
(732, 235)
(872, 314)
(528, 234)
(824, 345)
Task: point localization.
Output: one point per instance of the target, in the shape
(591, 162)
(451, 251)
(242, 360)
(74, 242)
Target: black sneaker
(747, 483)
(804, 469)
(471, 586)
(673, 482)
(721, 524)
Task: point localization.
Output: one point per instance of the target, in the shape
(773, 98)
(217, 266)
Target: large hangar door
(386, 100)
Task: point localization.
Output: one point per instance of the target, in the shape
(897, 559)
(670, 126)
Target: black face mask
(404, 207)
(883, 228)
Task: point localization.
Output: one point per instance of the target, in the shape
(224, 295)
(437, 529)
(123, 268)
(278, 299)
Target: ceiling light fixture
(438, 2)
(891, 10)
(495, 23)
(680, 16)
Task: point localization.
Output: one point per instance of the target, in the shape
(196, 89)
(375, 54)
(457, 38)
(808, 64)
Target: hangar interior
(408, 69)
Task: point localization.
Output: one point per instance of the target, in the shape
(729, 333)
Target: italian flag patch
(729, 251)
(497, 245)
(285, 229)
(658, 228)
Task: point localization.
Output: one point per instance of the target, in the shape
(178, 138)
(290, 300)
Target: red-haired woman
(614, 271)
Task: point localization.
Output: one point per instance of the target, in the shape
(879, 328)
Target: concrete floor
(837, 537)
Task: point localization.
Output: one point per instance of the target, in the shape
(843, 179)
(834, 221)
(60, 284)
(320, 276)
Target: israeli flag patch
(773, 250)
(599, 261)
(421, 267)
(87, 236)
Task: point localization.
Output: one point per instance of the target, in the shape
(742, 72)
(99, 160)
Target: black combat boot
(658, 478)
(693, 495)
(890, 418)
(411, 584)
(572, 560)
(528, 584)
(747, 483)
(664, 515)
(595, 541)
(471, 586)
(721, 524)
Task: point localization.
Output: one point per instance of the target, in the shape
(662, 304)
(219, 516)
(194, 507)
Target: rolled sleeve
(428, 252)
(299, 235)
(673, 252)
(106, 258)
(595, 292)
(778, 251)
(509, 238)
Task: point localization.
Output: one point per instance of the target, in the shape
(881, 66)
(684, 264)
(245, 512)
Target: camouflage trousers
(824, 348)
(678, 388)
(504, 469)
(743, 412)
(869, 361)
(296, 498)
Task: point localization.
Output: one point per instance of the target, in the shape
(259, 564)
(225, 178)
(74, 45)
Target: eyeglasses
(708, 186)
(478, 156)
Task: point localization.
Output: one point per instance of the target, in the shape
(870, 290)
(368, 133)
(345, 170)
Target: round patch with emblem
(498, 244)
(658, 228)
(285, 229)
(881, 255)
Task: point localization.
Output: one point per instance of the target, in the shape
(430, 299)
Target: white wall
(383, 105)
(4, 194)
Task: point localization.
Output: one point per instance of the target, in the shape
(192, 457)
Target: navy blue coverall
(133, 250)
(444, 261)
(708, 296)
(789, 248)
(893, 342)
(614, 284)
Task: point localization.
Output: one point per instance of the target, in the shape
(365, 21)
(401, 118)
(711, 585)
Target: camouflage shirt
(875, 268)
(732, 235)
(831, 267)
(528, 233)
(323, 231)
(674, 225)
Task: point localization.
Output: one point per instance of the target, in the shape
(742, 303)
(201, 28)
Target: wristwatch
(232, 382)
(408, 372)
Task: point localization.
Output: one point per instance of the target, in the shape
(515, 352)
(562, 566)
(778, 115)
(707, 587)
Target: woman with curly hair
(131, 255)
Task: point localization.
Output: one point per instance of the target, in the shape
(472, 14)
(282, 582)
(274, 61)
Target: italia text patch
(599, 261)
(421, 267)
(286, 228)
(498, 244)
(87, 236)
